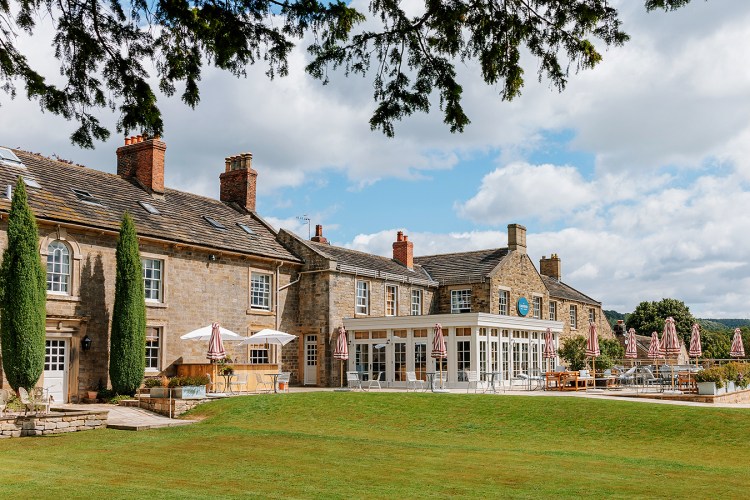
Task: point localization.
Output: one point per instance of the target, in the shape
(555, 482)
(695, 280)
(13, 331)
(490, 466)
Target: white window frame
(391, 300)
(416, 302)
(573, 317)
(537, 301)
(147, 265)
(461, 301)
(158, 348)
(552, 310)
(503, 303)
(362, 297)
(592, 315)
(65, 265)
(258, 356)
(261, 288)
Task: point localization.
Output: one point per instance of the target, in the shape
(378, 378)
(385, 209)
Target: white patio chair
(473, 378)
(260, 384)
(375, 381)
(4, 398)
(352, 380)
(627, 377)
(238, 382)
(413, 381)
(284, 378)
(39, 401)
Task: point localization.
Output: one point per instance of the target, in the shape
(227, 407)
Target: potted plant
(711, 381)
(159, 388)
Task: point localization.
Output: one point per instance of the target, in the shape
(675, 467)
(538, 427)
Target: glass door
(420, 360)
(399, 362)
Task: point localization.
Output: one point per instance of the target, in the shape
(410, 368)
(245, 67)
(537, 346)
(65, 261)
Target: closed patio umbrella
(549, 347)
(342, 350)
(695, 343)
(631, 352)
(592, 345)
(215, 345)
(654, 347)
(738, 350)
(670, 344)
(439, 351)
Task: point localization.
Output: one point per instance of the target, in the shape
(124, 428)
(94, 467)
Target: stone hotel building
(208, 260)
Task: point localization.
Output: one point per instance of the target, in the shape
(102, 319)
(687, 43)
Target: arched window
(58, 267)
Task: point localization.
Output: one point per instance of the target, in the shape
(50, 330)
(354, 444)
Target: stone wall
(52, 423)
(170, 407)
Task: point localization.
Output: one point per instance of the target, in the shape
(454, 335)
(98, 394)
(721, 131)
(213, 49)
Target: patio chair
(238, 382)
(375, 381)
(352, 380)
(585, 377)
(648, 378)
(284, 378)
(4, 398)
(39, 401)
(627, 377)
(413, 381)
(260, 384)
(473, 378)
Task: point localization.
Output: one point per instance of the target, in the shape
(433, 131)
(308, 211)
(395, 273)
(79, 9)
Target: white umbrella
(268, 336)
(205, 334)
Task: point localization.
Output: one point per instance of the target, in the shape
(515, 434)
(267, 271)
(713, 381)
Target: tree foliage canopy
(650, 316)
(127, 359)
(23, 296)
(105, 50)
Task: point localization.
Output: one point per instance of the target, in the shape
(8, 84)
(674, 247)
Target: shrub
(714, 374)
(152, 382)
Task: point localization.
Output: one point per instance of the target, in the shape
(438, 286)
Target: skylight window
(214, 222)
(86, 197)
(31, 183)
(246, 228)
(148, 207)
(8, 157)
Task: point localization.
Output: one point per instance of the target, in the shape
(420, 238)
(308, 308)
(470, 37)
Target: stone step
(129, 402)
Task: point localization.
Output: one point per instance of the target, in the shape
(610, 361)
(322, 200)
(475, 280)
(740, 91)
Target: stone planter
(159, 392)
(189, 392)
(710, 389)
(731, 387)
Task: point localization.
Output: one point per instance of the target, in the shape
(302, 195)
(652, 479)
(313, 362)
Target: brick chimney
(142, 160)
(238, 181)
(516, 238)
(551, 267)
(403, 250)
(319, 238)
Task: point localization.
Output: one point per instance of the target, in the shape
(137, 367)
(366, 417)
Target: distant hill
(705, 323)
(718, 324)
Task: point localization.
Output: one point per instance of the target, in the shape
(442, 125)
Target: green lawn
(398, 445)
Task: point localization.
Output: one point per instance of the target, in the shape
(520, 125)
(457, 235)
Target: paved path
(130, 418)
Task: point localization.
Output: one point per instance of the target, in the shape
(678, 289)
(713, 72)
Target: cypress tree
(127, 360)
(23, 296)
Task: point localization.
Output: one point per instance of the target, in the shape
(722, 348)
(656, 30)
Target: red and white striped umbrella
(592, 341)
(670, 345)
(342, 347)
(438, 343)
(549, 348)
(695, 342)
(215, 345)
(654, 348)
(738, 350)
(632, 350)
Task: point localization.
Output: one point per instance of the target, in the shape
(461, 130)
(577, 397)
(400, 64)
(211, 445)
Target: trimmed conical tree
(127, 359)
(23, 296)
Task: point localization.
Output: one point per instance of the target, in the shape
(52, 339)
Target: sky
(637, 175)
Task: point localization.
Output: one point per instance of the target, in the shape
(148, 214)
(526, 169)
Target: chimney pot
(319, 238)
(403, 250)
(238, 182)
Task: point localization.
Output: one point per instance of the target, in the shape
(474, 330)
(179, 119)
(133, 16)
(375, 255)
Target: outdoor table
(432, 379)
(275, 377)
(228, 382)
(493, 376)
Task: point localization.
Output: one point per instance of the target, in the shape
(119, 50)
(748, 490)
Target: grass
(397, 445)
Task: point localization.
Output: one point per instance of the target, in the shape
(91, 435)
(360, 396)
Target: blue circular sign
(523, 306)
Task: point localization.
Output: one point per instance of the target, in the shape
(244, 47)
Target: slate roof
(561, 290)
(181, 214)
(362, 260)
(462, 266)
